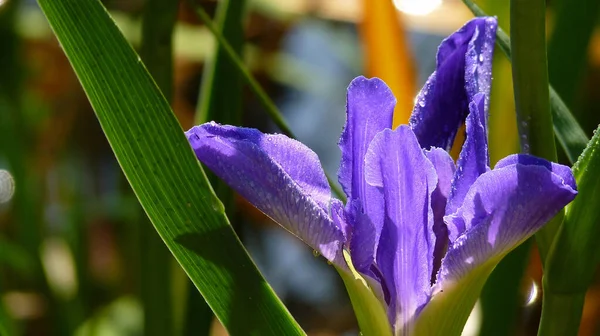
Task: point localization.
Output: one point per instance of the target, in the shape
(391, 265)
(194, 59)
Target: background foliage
(79, 255)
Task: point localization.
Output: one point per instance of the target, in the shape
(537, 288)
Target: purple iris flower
(415, 222)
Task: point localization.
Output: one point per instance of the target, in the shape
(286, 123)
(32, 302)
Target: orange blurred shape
(387, 54)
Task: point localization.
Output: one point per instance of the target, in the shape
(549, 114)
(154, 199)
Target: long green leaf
(159, 164)
(575, 256)
(157, 53)
(568, 132)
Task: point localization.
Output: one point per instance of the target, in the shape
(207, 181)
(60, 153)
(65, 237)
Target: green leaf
(156, 51)
(159, 164)
(568, 132)
(575, 256)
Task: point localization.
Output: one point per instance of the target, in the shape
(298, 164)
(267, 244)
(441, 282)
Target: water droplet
(217, 205)
(422, 103)
(481, 58)
(316, 253)
(7, 186)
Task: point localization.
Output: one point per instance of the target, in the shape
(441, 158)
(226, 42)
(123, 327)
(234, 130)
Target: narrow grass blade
(222, 83)
(220, 100)
(575, 256)
(568, 132)
(162, 170)
(264, 99)
(156, 51)
(387, 54)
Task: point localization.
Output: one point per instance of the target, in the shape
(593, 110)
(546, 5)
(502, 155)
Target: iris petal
(503, 208)
(444, 167)
(397, 166)
(370, 108)
(464, 68)
(472, 162)
(278, 175)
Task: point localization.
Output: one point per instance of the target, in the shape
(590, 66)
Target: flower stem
(532, 96)
(568, 307)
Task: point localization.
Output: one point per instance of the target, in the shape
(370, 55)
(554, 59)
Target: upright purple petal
(503, 208)
(464, 68)
(278, 175)
(397, 166)
(445, 168)
(472, 162)
(370, 108)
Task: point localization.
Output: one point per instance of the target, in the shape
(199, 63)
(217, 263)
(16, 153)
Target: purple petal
(278, 175)
(444, 167)
(396, 164)
(464, 68)
(561, 170)
(503, 208)
(370, 108)
(472, 162)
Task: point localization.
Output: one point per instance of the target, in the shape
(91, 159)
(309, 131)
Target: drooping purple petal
(503, 208)
(397, 166)
(370, 108)
(472, 162)
(445, 168)
(278, 175)
(561, 170)
(464, 68)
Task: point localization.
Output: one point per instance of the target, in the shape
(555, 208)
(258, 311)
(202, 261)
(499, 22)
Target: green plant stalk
(532, 96)
(163, 171)
(156, 51)
(221, 100)
(263, 98)
(530, 77)
(568, 132)
(561, 314)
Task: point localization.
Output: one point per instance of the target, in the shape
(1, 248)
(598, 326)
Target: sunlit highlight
(417, 7)
(533, 294)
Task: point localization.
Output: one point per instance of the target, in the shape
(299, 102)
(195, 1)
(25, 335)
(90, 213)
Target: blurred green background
(75, 246)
